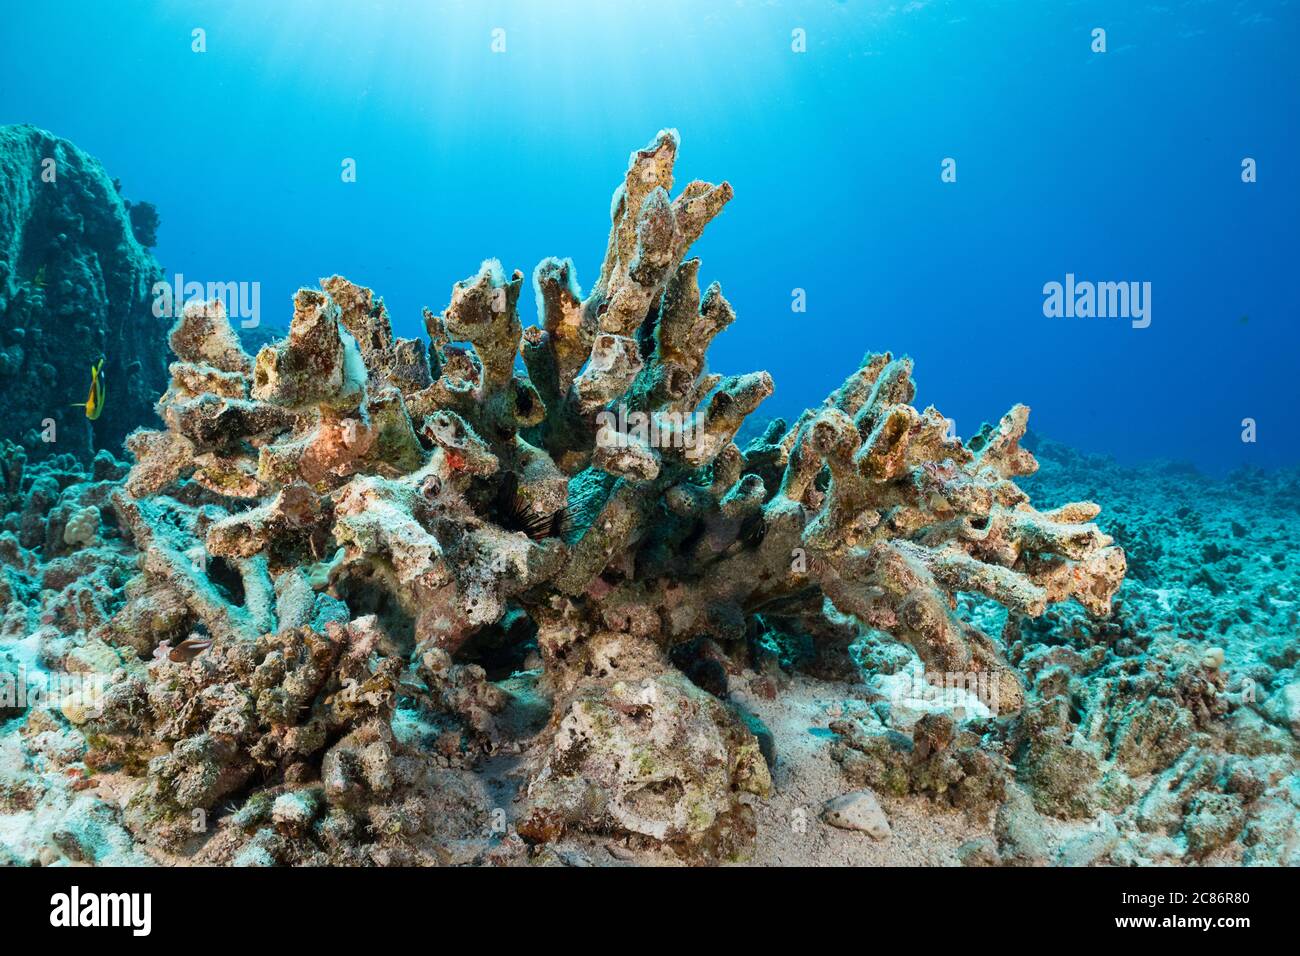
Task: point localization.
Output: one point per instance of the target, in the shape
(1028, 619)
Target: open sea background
(1115, 166)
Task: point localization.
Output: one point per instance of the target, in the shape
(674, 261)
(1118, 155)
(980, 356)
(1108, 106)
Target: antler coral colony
(346, 472)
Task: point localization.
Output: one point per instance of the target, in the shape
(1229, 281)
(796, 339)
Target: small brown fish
(188, 649)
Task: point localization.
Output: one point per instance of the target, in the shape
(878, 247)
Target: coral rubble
(359, 592)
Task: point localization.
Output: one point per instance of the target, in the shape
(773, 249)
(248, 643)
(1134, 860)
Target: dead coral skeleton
(454, 490)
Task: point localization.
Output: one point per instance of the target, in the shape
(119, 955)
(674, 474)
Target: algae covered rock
(1284, 707)
(859, 810)
(76, 284)
(659, 758)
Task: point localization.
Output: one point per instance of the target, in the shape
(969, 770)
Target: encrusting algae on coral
(372, 562)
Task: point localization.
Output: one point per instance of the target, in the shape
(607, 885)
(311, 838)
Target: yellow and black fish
(94, 404)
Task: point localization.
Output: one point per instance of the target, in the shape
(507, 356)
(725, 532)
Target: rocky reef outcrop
(484, 596)
(76, 280)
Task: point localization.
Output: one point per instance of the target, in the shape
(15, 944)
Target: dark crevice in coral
(364, 593)
(501, 649)
(698, 660)
(227, 580)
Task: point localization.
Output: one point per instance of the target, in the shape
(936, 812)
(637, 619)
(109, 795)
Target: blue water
(1115, 166)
